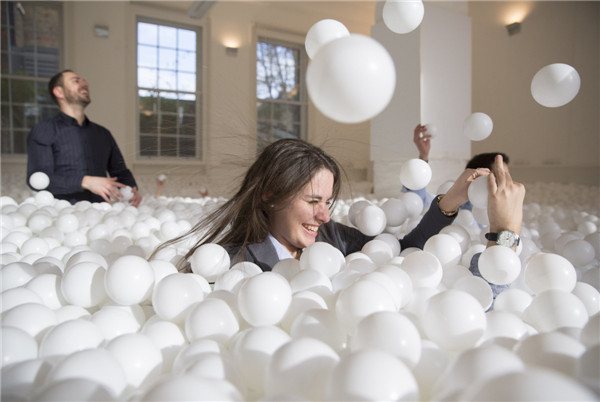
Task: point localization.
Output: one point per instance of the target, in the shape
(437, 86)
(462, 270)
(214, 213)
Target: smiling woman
(283, 206)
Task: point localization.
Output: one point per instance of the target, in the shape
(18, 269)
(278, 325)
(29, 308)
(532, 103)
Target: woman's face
(297, 224)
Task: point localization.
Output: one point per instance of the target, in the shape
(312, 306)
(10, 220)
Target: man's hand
(423, 141)
(137, 197)
(105, 187)
(505, 199)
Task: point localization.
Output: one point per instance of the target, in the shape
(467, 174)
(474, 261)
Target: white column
(433, 85)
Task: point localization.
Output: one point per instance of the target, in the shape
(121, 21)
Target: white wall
(433, 73)
(544, 144)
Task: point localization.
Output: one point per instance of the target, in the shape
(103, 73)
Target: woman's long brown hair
(279, 173)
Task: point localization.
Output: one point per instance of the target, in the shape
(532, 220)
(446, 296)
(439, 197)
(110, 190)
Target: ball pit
(84, 313)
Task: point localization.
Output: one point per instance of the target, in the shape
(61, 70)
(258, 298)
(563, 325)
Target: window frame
(200, 124)
(34, 79)
(295, 41)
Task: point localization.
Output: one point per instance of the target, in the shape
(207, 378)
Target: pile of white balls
(85, 315)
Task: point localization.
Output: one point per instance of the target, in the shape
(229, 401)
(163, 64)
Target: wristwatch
(506, 238)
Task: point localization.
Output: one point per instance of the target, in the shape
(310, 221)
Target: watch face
(507, 238)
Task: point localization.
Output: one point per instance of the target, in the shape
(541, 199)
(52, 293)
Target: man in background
(76, 153)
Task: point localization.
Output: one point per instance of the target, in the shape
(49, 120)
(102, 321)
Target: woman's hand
(458, 193)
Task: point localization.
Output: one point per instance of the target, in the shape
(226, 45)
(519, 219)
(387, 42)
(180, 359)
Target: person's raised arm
(423, 141)
(505, 200)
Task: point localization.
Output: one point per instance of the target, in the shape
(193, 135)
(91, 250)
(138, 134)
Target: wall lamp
(231, 51)
(513, 28)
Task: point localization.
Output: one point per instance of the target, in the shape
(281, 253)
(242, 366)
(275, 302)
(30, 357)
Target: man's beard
(76, 99)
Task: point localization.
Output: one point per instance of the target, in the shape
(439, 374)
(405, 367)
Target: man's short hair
(56, 81)
(485, 160)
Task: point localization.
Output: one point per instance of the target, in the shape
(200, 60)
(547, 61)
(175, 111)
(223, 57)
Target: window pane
(168, 124)
(148, 101)
(167, 58)
(187, 147)
(147, 34)
(168, 146)
(186, 82)
(264, 110)
(187, 103)
(148, 123)
(167, 79)
(167, 36)
(6, 141)
(23, 91)
(188, 125)
(187, 39)
(168, 102)
(147, 56)
(20, 141)
(148, 145)
(186, 61)
(18, 113)
(147, 77)
(43, 97)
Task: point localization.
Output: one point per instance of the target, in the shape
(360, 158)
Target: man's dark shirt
(66, 152)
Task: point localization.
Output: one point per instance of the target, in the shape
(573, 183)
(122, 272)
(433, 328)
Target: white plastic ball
(98, 365)
(322, 257)
(83, 284)
(253, 348)
(17, 346)
(499, 265)
(300, 368)
(211, 318)
(589, 295)
(355, 208)
(264, 299)
(371, 374)
(413, 203)
(423, 268)
(402, 16)
(129, 280)
(454, 319)
(140, 358)
(478, 126)
(174, 295)
(478, 192)
(378, 250)
(555, 85)
(351, 79)
(69, 337)
(390, 332)
(359, 300)
(210, 260)
(546, 271)
(415, 174)
(371, 220)
(579, 252)
(395, 211)
(445, 247)
(322, 32)
(39, 180)
(553, 309)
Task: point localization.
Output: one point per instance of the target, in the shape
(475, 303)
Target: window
(168, 87)
(30, 50)
(280, 91)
